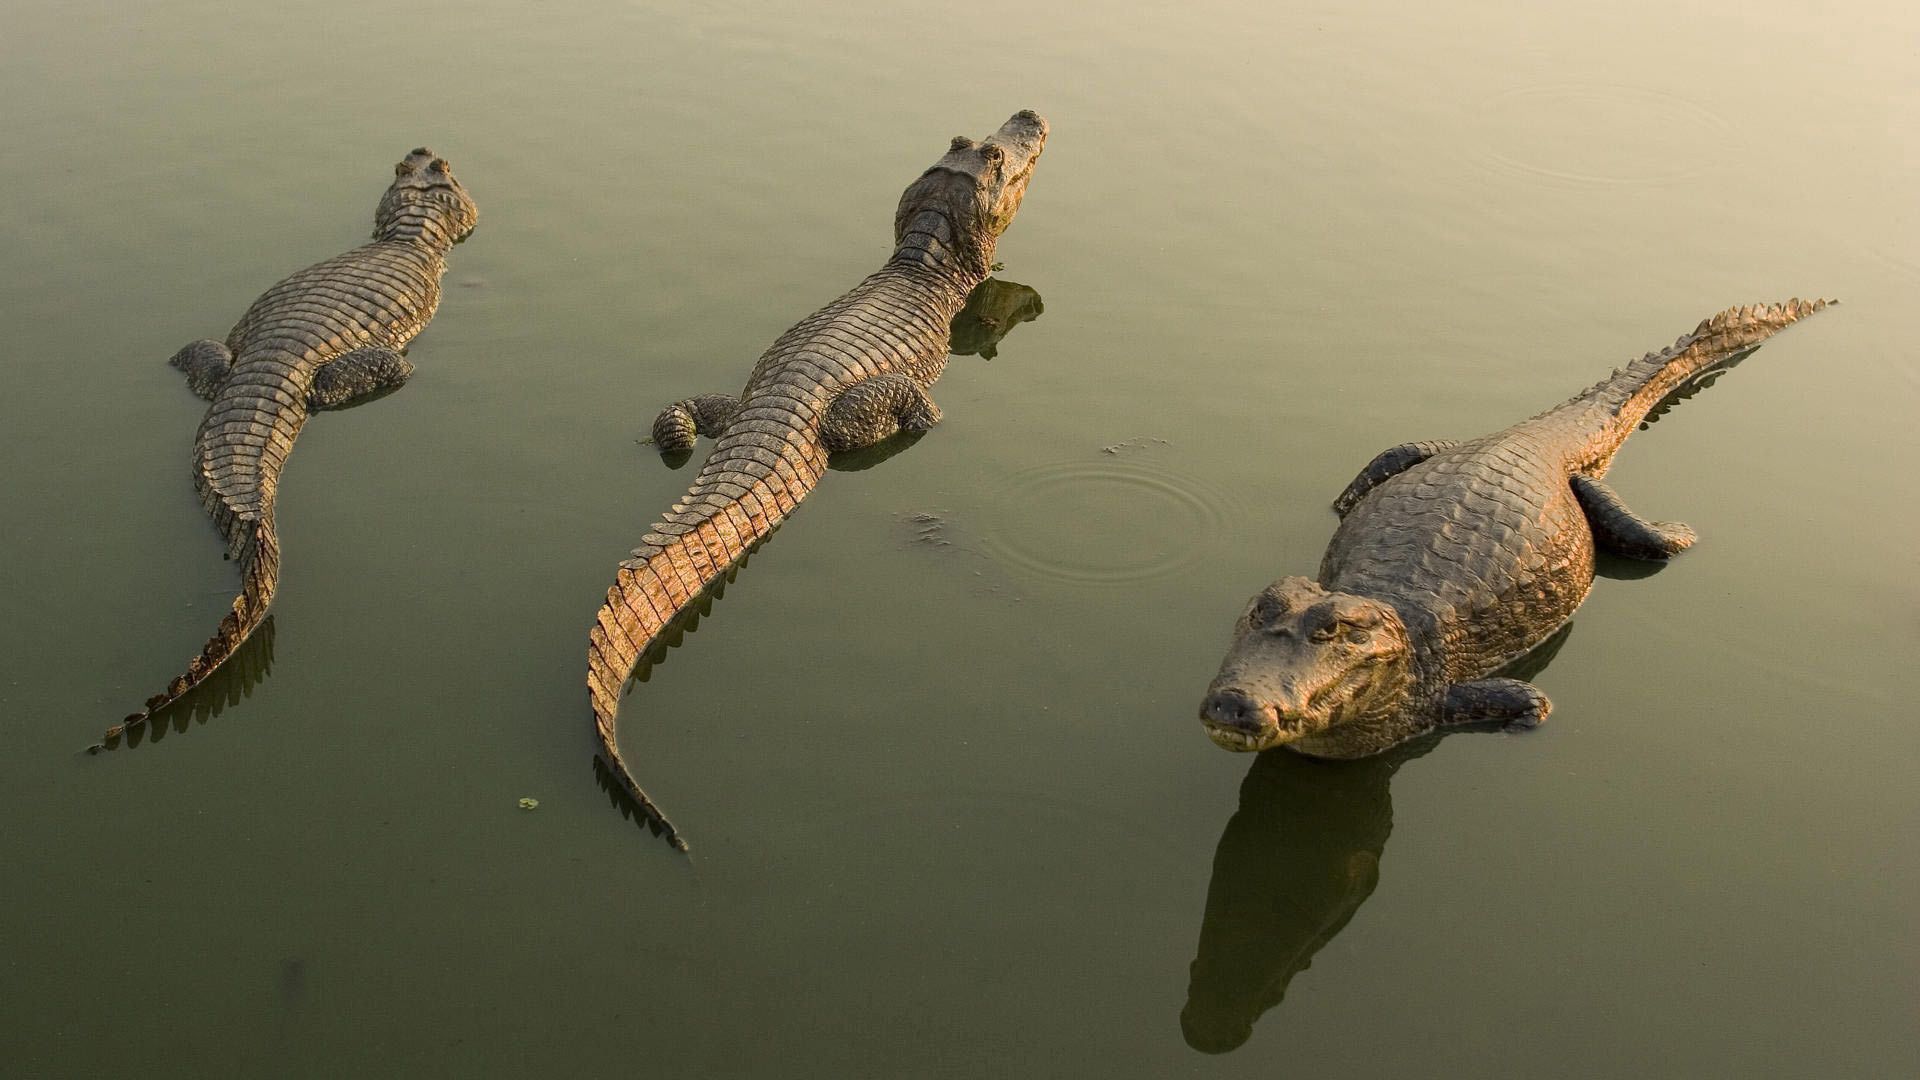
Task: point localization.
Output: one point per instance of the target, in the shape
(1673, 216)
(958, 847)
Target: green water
(952, 813)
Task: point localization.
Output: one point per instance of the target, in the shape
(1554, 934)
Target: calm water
(951, 811)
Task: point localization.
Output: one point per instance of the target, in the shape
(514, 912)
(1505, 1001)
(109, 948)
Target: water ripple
(1111, 521)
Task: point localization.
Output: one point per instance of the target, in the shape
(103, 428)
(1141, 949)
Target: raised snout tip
(1236, 721)
(1026, 124)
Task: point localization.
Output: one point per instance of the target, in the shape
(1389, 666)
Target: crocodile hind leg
(1386, 465)
(1616, 528)
(875, 409)
(1510, 702)
(207, 364)
(679, 423)
(351, 378)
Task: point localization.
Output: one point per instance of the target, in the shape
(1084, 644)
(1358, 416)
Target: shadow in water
(1296, 861)
(229, 685)
(670, 637)
(1621, 568)
(868, 456)
(993, 309)
(1700, 381)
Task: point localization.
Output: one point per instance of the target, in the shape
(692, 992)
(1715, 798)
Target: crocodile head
(425, 202)
(1304, 659)
(975, 188)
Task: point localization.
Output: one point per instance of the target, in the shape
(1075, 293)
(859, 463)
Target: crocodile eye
(1357, 636)
(993, 154)
(402, 169)
(1322, 635)
(960, 142)
(1264, 610)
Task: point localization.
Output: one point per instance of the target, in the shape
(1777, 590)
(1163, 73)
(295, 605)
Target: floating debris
(1142, 442)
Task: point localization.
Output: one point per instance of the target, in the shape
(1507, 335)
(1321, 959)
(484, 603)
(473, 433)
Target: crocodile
(847, 377)
(328, 337)
(1294, 864)
(1452, 559)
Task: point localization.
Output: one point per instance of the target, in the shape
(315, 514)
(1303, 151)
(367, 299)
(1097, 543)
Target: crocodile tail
(753, 480)
(1637, 389)
(256, 545)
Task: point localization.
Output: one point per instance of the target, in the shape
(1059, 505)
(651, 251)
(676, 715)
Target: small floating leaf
(529, 804)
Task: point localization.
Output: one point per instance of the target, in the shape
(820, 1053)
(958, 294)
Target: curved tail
(758, 473)
(257, 546)
(1635, 390)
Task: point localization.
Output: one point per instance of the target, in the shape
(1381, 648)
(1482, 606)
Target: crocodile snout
(1236, 721)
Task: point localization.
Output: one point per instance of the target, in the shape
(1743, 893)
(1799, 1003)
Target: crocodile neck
(422, 227)
(930, 242)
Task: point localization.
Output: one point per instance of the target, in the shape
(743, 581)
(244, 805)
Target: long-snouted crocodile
(848, 376)
(1451, 561)
(327, 337)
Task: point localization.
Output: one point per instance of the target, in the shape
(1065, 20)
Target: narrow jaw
(1234, 720)
(1244, 742)
(1023, 136)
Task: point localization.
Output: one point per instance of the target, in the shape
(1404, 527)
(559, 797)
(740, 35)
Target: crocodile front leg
(875, 409)
(678, 423)
(1385, 466)
(354, 377)
(207, 364)
(1511, 702)
(1616, 528)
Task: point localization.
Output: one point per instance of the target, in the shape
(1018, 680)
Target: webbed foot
(1516, 704)
(1616, 528)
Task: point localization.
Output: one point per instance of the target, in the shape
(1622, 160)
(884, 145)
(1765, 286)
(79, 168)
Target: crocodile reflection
(1297, 859)
(230, 684)
(993, 309)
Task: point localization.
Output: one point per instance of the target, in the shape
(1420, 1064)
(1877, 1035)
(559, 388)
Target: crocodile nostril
(1230, 708)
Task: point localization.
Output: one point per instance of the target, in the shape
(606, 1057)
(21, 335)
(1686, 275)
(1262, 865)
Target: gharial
(1453, 559)
(848, 376)
(326, 337)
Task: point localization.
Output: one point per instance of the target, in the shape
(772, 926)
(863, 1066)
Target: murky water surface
(935, 747)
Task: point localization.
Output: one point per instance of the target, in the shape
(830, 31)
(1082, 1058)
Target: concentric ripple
(1104, 522)
(1600, 134)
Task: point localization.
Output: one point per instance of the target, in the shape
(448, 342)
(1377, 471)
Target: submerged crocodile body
(1453, 560)
(327, 337)
(848, 376)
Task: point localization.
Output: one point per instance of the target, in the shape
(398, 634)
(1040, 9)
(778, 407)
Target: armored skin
(328, 337)
(1453, 559)
(850, 375)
